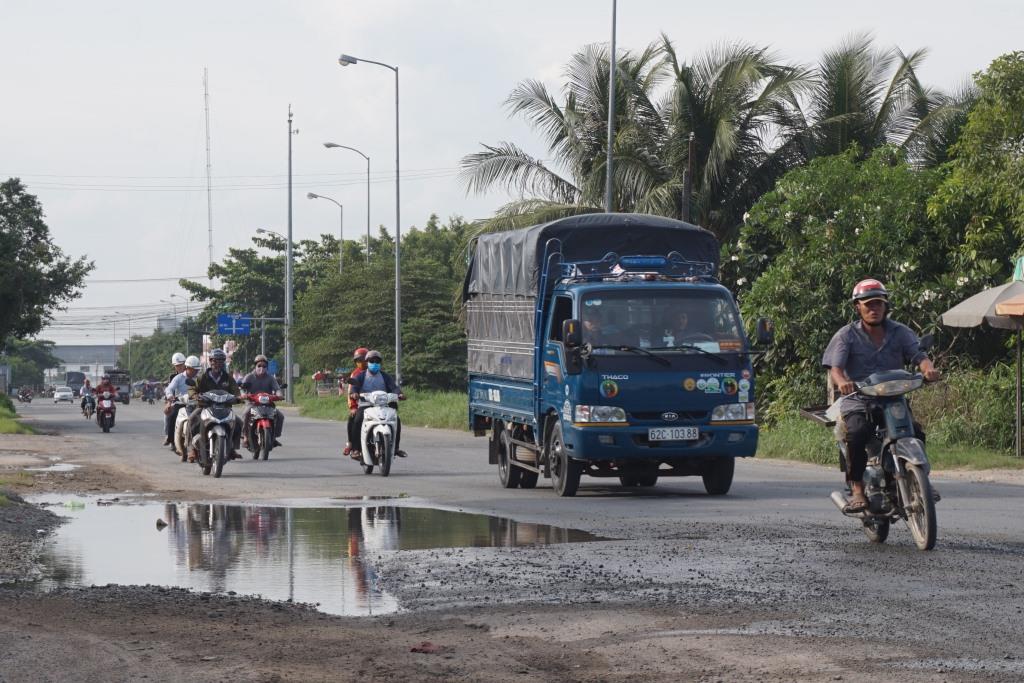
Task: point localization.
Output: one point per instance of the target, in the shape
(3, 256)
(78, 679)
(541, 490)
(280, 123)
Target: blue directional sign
(272, 367)
(234, 323)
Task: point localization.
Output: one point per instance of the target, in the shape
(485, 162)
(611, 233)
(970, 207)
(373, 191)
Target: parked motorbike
(217, 422)
(89, 408)
(896, 480)
(262, 418)
(380, 426)
(105, 410)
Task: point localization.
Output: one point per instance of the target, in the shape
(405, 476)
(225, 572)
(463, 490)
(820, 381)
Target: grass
(795, 438)
(9, 425)
(423, 408)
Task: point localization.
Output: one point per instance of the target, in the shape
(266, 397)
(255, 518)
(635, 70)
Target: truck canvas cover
(501, 283)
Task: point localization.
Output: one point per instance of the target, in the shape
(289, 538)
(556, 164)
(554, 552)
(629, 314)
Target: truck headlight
(733, 412)
(599, 414)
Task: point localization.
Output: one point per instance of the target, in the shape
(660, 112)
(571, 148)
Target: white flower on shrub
(962, 280)
(734, 257)
(741, 281)
(789, 215)
(746, 214)
(927, 295)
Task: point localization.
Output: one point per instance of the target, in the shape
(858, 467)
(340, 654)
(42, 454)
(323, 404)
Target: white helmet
(192, 362)
(178, 358)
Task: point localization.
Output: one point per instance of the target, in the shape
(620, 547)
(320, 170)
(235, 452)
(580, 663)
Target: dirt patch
(23, 529)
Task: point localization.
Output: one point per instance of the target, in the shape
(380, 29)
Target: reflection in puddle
(312, 555)
(62, 467)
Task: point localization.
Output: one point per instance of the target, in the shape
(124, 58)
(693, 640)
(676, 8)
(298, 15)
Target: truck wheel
(565, 472)
(647, 480)
(508, 474)
(628, 481)
(717, 475)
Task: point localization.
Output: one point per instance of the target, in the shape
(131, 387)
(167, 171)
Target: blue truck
(603, 344)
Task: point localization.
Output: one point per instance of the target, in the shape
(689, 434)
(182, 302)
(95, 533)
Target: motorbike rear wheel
(921, 508)
(876, 529)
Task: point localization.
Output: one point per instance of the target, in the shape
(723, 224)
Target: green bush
(7, 404)
(970, 408)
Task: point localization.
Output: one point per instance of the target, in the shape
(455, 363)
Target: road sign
(272, 367)
(234, 323)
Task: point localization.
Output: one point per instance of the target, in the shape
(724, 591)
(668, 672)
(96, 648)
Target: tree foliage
(36, 278)
(28, 359)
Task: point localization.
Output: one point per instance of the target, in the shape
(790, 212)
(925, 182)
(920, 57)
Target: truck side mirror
(571, 334)
(765, 332)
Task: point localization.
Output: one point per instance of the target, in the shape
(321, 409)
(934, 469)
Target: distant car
(63, 394)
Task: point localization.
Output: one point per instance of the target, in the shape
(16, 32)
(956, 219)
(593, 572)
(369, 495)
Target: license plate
(672, 434)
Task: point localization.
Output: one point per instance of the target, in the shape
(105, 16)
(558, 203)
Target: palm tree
(728, 98)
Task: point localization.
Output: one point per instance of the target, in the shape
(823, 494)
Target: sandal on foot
(858, 503)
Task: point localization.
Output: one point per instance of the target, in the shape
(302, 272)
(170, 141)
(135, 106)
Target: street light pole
(346, 60)
(330, 145)
(341, 228)
(612, 68)
(290, 391)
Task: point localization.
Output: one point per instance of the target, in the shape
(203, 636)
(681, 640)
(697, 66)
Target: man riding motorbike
(359, 359)
(374, 379)
(215, 377)
(105, 385)
(261, 381)
(871, 344)
(177, 388)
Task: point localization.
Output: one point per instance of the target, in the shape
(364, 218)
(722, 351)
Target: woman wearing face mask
(260, 381)
(374, 379)
(359, 359)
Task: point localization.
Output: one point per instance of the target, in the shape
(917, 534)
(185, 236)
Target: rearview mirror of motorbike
(927, 341)
(765, 332)
(284, 385)
(571, 335)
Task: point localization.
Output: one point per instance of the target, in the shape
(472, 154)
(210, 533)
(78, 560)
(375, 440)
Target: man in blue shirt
(871, 344)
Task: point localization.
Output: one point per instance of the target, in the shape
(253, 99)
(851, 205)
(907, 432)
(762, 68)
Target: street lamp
(330, 145)
(346, 60)
(341, 228)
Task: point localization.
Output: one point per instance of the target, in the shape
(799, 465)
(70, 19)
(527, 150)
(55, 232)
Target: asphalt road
(450, 469)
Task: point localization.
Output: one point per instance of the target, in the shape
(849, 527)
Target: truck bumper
(631, 443)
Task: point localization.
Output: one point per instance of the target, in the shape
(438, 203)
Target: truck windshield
(666, 321)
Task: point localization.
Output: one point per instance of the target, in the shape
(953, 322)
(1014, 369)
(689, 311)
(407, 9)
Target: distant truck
(123, 381)
(604, 345)
(75, 380)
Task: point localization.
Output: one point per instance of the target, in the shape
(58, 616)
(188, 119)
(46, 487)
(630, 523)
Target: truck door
(553, 391)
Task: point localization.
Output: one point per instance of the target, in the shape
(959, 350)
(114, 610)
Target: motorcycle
(896, 479)
(260, 432)
(105, 410)
(24, 396)
(89, 408)
(217, 423)
(380, 426)
(182, 431)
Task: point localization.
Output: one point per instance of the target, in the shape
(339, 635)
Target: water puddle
(319, 555)
(60, 467)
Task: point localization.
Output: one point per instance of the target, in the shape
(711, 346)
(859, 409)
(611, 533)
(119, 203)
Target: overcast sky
(103, 108)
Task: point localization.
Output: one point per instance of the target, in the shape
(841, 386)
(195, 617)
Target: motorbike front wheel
(384, 451)
(921, 508)
(219, 454)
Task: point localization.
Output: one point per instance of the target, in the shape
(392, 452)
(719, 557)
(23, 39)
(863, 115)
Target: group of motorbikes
(103, 407)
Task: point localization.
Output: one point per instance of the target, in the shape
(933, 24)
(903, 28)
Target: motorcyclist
(105, 385)
(374, 379)
(215, 377)
(177, 388)
(359, 359)
(871, 344)
(261, 381)
(86, 393)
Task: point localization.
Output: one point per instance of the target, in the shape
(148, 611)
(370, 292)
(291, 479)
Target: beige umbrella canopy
(1001, 307)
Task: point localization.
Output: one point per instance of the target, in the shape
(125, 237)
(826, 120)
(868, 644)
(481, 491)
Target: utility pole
(608, 166)
(209, 182)
(289, 391)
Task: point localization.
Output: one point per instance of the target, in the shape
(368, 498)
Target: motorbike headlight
(733, 412)
(381, 400)
(599, 414)
(893, 387)
(264, 399)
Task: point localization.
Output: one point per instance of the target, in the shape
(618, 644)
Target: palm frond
(509, 165)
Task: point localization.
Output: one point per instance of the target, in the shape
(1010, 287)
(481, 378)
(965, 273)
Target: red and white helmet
(868, 290)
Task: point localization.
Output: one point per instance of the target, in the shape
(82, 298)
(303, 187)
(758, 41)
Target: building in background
(91, 361)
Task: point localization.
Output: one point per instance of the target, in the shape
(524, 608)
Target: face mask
(373, 367)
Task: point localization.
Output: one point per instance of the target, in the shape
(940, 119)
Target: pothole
(319, 555)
